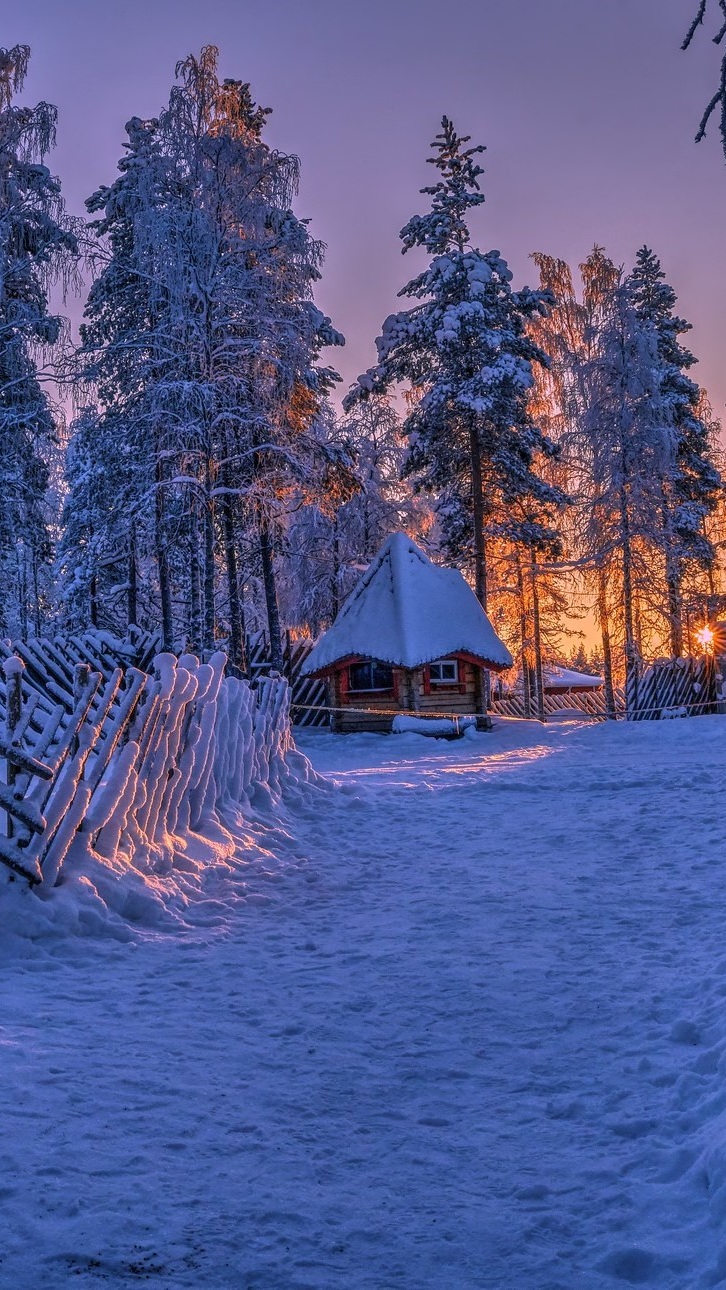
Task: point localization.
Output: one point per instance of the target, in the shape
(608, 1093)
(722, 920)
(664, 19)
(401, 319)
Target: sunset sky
(588, 111)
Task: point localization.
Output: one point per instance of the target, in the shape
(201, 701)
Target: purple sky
(587, 108)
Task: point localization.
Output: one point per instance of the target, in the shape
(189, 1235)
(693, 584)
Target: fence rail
(672, 687)
(590, 703)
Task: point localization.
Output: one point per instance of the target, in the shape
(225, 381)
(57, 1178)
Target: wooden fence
(309, 697)
(93, 742)
(132, 749)
(591, 704)
(673, 687)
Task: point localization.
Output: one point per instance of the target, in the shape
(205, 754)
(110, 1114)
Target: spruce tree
(121, 519)
(467, 353)
(102, 572)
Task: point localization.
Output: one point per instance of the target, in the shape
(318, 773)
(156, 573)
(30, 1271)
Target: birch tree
(690, 484)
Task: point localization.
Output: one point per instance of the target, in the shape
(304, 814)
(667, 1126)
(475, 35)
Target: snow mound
(439, 727)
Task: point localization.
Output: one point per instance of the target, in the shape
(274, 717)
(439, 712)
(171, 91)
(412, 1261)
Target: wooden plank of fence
(135, 684)
(13, 706)
(47, 746)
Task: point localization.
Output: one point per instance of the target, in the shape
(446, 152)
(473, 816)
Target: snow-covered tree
(330, 542)
(121, 518)
(691, 483)
(626, 432)
(465, 349)
(636, 455)
(103, 578)
(202, 323)
(37, 244)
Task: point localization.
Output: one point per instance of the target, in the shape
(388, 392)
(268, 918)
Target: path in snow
(476, 1038)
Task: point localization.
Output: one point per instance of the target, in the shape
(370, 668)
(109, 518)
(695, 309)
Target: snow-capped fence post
(13, 669)
(81, 673)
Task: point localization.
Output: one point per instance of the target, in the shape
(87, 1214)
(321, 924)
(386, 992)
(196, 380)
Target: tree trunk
(162, 563)
(270, 585)
(537, 632)
(673, 582)
(675, 614)
(195, 590)
(132, 607)
(526, 696)
(36, 594)
(210, 617)
(22, 591)
(477, 494)
(710, 573)
(93, 601)
(602, 611)
(631, 652)
(236, 612)
(483, 685)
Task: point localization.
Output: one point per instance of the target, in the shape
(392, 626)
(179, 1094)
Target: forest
(185, 464)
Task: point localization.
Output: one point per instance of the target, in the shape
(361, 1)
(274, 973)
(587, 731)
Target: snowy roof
(563, 678)
(407, 611)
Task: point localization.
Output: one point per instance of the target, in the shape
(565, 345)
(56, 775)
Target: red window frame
(432, 686)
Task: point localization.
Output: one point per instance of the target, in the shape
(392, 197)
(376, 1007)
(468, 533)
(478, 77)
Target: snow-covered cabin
(411, 637)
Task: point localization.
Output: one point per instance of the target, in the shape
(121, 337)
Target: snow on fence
(309, 702)
(93, 745)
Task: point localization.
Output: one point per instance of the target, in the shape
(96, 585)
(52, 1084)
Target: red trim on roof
(362, 658)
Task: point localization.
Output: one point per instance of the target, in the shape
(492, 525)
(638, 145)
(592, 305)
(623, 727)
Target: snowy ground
(463, 1025)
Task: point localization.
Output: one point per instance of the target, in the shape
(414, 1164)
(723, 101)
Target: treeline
(552, 443)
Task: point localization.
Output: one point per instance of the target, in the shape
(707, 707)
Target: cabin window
(445, 671)
(370, 676)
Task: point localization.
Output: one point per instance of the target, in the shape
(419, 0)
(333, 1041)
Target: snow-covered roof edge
(565, 678)
(406, 611)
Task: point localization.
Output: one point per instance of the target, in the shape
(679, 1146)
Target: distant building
(562, 680)
(411, 637)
